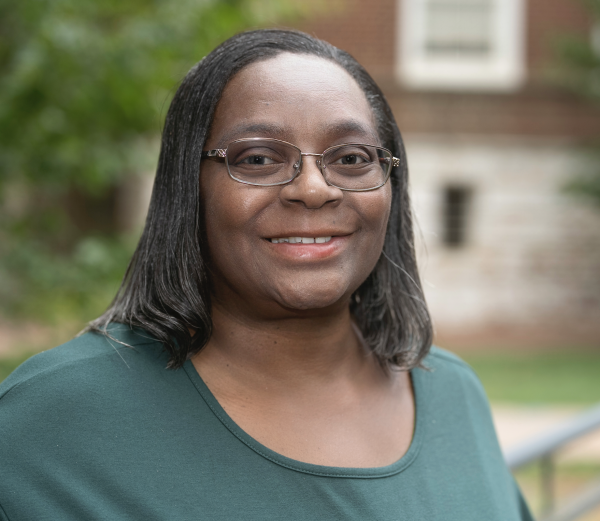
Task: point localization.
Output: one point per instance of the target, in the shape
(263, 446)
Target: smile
(303, 240)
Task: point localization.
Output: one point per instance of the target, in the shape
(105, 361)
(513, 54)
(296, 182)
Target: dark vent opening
(457, 200)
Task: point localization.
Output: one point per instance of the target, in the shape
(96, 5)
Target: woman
(276, 279)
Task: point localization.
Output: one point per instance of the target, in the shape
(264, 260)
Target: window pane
(458, 27)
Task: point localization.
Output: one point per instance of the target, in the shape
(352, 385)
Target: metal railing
(543, 449)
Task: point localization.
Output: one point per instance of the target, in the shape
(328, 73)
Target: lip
(308, 233)
(307, 252)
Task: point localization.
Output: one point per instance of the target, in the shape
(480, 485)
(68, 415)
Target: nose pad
(322, 166)
(297, 166)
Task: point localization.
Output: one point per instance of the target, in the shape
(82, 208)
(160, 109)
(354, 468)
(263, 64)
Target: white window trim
(505, 71)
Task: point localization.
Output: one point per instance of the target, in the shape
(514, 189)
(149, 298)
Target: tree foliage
(84, 82)
(579, 59)
(83, 91)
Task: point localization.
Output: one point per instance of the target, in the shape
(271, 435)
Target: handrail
(578, 505)
(549, 442)
(542, 448)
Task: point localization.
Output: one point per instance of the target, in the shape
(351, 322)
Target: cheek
(235, 218)
(232, 213)
(222, 213)
(375, 210)
(227, 204)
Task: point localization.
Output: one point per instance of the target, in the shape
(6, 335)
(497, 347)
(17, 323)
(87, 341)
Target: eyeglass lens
(270, 162)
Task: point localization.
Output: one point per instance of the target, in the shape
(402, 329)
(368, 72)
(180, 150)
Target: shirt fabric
(98, 430)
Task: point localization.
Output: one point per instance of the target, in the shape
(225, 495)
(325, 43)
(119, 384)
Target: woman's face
(313, 104)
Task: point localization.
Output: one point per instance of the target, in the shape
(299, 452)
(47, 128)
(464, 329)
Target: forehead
(298, 98)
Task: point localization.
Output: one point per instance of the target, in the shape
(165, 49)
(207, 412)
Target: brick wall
(530, 113)
(546, 20)
(367, 29)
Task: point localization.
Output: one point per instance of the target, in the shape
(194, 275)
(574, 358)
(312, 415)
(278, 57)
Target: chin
(313, 299)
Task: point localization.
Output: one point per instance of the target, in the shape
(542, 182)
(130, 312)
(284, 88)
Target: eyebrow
(350, 126)
(336, 129)
(262, 129)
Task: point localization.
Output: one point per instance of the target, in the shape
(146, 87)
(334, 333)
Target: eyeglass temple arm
(395, 161)
(217, 152)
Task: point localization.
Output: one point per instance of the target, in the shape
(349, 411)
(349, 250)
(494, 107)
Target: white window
(461, 44)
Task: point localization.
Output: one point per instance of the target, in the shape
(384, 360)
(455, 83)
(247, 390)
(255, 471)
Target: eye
(351, 159)
(257, 160)
(350, 155)
(254, 155)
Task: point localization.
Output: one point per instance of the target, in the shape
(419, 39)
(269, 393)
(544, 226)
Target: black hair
(166, 289)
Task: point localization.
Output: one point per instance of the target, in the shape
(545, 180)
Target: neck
(285, 350)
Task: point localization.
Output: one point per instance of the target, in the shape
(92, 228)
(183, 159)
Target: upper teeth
(303, 240)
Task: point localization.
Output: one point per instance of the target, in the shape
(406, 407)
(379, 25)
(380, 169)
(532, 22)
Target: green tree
(83, 91)
(579, 70)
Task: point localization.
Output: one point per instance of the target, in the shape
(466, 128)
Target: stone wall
(529, 268)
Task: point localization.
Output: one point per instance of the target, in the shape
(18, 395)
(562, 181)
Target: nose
(309, 187)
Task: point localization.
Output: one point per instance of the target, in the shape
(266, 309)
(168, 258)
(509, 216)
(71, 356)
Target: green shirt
(97, 430)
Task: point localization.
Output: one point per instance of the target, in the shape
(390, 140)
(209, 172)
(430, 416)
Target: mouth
(300, 240)
(296, 248)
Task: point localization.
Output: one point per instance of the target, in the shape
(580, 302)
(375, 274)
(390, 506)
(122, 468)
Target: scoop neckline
(419, 392)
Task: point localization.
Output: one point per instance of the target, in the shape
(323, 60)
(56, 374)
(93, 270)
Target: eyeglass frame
(221, 153)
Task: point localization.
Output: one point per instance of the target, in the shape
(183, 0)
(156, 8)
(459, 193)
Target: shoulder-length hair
(166, 289)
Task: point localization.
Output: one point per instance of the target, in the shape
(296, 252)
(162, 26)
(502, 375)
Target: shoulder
(458, 436)
(89, 388)
(85, 360)
(442, 357)
(455, 401)
(92, 407)
(452, 383)
(446, 367)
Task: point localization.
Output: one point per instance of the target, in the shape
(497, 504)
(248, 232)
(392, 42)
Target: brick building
(506, 255)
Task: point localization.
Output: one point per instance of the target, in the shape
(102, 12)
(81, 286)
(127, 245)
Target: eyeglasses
(353, 167)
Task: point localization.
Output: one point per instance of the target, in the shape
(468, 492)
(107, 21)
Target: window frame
(504, 70)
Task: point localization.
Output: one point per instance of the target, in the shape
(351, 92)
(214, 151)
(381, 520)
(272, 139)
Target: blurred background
(499, 105)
